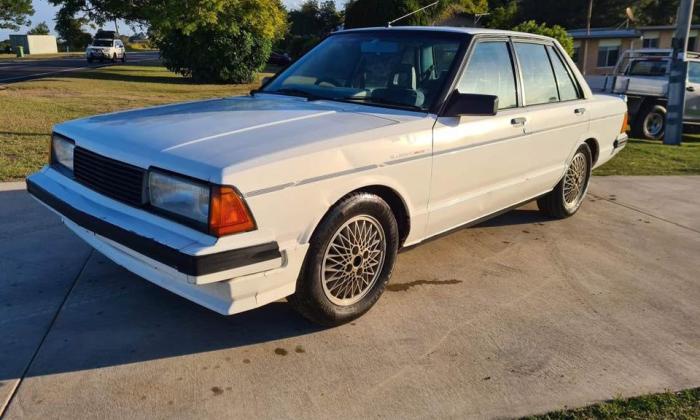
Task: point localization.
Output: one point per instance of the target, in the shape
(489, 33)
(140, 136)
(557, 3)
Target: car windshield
(102, 43)
(404, 70)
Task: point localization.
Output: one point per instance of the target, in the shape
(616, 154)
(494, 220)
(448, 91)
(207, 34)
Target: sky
(44, 12)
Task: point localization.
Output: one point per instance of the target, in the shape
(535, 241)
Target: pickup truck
(643, 76)
(376, 139)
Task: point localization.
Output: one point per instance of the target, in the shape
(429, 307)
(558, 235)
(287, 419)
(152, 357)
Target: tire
(124, 58)
(90, 60)
(650, 124)
(555, 203)
(114, 58)
(321, 294)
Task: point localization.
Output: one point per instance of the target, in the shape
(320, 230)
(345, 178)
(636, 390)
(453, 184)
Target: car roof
(449, 29)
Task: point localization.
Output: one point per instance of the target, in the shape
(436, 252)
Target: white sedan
(306, 189)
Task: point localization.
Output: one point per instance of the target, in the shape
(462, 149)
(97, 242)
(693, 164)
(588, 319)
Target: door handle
(690, 89)
(518, 122)
(580, 111)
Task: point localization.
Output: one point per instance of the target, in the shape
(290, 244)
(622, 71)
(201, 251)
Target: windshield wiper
(379, 101)
(295, 92)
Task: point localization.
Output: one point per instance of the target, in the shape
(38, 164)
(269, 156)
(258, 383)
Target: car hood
(205, 137)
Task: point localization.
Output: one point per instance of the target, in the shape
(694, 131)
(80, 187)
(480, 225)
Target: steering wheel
(328, 80)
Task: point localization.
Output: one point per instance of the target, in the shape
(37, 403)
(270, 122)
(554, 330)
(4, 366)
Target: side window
(567, 88)
(490, 72)
(539, 85)
(694, 72)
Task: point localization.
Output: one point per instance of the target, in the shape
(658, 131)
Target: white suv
(106, 49)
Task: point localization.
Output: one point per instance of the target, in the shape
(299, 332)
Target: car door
(557, 118)
(476, 159)
(692, 94)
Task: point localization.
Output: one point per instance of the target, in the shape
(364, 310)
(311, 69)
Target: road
(27, 69)
(516, 316)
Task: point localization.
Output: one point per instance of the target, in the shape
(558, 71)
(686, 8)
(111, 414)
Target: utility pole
(588, 35)
(679, 73)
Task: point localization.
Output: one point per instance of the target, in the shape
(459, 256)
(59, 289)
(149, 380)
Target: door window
(539, 84)
(694, 72)
(490, 72)
(565, 84)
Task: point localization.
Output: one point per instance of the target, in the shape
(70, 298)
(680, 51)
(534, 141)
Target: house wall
(34, 44)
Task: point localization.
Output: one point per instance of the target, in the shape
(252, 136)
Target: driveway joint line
(638, 210)
(4, 408)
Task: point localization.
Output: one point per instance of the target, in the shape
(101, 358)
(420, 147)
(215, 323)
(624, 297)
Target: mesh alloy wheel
(353, 260)
(575, 181)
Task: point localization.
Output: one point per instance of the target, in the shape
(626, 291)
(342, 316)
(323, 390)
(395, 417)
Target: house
(597, 51)
(34, 44)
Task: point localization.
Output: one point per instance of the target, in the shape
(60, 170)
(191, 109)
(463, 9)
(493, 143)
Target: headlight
(179, 196)
(62, 151)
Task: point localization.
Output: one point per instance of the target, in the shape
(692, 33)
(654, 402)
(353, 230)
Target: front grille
(117, 180)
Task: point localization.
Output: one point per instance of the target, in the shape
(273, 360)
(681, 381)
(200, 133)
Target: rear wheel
(114, 58)
(651, 123)
(124, 58)
(566, 198)
(349, 261)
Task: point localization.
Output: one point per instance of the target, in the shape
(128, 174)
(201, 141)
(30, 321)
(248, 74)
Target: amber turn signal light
(228, 214)
(625, 123)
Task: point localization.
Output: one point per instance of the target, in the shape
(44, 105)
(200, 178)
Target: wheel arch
(396, 201)
(595, 149)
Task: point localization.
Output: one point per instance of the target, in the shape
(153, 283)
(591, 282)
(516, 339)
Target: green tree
(15, 13)
(503, 14)
(70, 30)
(365, 13)
(40, 29)
(208, 40)
(556, 32)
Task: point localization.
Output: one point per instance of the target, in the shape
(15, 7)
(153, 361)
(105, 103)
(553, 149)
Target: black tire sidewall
(656, 109)
(309, 286)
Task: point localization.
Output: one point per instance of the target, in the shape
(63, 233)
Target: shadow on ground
(111, 317)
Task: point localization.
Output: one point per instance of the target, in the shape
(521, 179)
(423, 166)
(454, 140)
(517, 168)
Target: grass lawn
(669, 405)
(642, 157)
(29, 109)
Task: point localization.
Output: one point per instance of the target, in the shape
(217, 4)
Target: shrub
(214, 55)
(556, 32)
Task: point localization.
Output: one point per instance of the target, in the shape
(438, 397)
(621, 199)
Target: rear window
(648, 68)
(539, 84)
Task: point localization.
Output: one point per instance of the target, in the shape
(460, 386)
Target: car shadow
(110, 317)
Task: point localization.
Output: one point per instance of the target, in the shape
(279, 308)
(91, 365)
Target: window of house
(490, 72)
(577, 51)
(608, 53)
(539, 84)
(692, 41)
(651, 40)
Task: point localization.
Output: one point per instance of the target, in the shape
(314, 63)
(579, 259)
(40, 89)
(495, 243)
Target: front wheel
(349, 261)
(566, 198)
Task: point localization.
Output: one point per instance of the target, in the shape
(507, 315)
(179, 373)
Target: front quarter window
(405, 70)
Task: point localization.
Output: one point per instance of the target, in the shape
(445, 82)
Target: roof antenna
(388, 24)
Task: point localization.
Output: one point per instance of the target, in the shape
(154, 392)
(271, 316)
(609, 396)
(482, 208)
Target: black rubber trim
(187, 264)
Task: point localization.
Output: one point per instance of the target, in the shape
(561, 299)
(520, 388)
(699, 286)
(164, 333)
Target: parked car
(375, 140)
(106, 49)
(643, 75)
(279, 59)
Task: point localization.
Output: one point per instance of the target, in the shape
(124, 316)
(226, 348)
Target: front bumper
(244, 275)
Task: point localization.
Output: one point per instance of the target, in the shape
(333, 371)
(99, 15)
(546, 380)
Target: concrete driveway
(29, 68)
(516, 316)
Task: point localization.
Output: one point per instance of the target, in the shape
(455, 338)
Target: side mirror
(460, 104)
